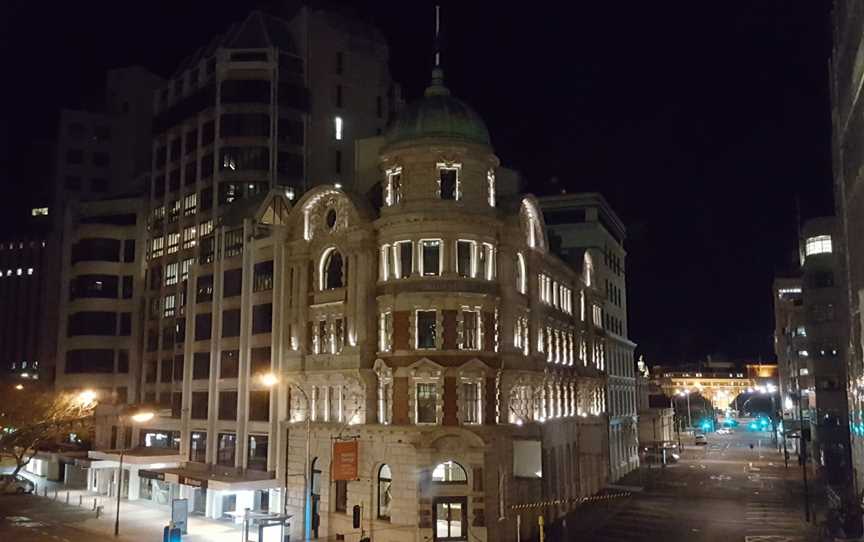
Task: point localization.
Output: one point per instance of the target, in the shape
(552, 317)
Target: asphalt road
(724, 491)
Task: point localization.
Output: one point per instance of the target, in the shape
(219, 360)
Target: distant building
(810, 342)
(657, 424)
(719, 383)
(583, 227)
(22, 291)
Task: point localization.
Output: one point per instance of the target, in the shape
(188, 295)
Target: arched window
(521, 274)
(449, 472)
(331, 271)
(385, 495)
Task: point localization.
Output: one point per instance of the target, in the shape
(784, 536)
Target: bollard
(94, 503)
(55, 494)
(67, 497)
(80, 500)
(98, 511)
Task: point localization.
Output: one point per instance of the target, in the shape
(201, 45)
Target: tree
(30, 418)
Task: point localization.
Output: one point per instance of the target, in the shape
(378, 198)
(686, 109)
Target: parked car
(16, 484)
(701, 440)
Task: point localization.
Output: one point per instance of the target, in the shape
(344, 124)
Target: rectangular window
(430, 262)
(427, 329)
(262, 277)
(171, 274)
(233, 243)
(173, 242)
(232, 283)
(487, 259)
(403, 259)
(427, 402)
(337, 128)
(227, 443)
(262, 318)
(170, 305)
(227, 405)
(321, 337)
(203, 324)
(470, 330)
(229, 364)
(393, 193)
(259, 362)
(190, 204)
(157, 247)
(448, 181)
(125, 324)
(204, 292)
(201, 366)
(259, 406)
(199, 405)
(471, 407)
(384, 268)
(185, 267)
(231, 323)
(820, 244)
(385, 331)
(198, 447)
(258, 445)
(174, 211)
(465, 258)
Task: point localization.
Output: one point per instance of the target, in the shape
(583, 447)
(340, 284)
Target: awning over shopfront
(214, 477)
(151, 457)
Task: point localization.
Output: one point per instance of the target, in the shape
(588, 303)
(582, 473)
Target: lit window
(821, 244)
(19, 272)
(393, 194)
(471, 403)
(490, 187)
(170, 304)
(487, 261)
(189, 237)
(521, 274)
(173, 242)
(171, 274)
(801, 331)
(426, 403)
(385, 331)
(426, 329)
(430, 257)
(206, 227)
(589, 269)
(598, 316)
(804, 353)
(39, 211)
(185, 266)
(804, 371)
(29, 270)
(385, 262)
(337, 128)
(331, 272)
(385, 494)
(465, 258)
(449, 183)
(403, 259)
(471, 329)
(190, 204)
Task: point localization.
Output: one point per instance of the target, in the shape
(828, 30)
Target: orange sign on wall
(345, 460)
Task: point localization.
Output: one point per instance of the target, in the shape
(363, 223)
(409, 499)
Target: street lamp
(140, 416)
(686, 393)
(270, 380)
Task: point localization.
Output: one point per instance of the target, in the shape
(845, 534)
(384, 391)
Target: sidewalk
(139, 520)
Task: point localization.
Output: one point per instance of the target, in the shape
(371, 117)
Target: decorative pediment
(425, 368)
(476, 368)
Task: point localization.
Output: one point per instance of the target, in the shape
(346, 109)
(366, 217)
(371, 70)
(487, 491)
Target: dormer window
(449, 183)
(393, 192)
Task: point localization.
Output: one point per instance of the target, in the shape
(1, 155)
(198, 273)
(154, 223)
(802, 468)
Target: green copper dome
(438, 114)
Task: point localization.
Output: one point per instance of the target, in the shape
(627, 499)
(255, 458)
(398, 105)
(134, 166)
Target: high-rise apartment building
(847, 118)
(584, 226)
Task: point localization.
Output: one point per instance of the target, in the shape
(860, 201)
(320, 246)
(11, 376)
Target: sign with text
(153, 475)
(345, 459)
(194, 482)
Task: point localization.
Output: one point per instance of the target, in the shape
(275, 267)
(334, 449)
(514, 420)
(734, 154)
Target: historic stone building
(434, 329)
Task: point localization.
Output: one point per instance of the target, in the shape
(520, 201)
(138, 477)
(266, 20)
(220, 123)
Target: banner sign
(153, 475)
(345, 460)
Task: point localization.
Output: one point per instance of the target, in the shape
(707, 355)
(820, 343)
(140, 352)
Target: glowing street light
(269, 379)
(142, 417)
(87, 397)
(19, 387)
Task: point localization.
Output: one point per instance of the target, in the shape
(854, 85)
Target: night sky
(700, 122)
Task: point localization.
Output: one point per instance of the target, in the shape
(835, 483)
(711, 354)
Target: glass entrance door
(450, 518)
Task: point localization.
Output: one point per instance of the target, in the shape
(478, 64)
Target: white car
(723, 431)
(16, 484)
(701, 440)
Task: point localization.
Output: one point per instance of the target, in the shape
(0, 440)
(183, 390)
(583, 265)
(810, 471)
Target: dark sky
(701, 122)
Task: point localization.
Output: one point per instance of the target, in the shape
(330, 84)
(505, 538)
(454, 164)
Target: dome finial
(437, 88)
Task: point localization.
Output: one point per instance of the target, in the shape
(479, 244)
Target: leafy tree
(32, 417)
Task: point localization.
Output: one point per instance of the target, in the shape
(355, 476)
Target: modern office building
(431, 332)
(100, 318)
(584, 226)
(847, 112)
(811, 340)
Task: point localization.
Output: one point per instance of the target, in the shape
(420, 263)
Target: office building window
(393, 191)
(465, 258)
(257, 460)
(198, 447)
(199, 405)
(471, 404)
(229, 364)
(470, 330)
(226, 446)
(426, 331)
(403, 252)
(426, 402)
(201, 366)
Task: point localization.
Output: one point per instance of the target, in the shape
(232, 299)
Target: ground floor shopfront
(209, 491)
(444, 483)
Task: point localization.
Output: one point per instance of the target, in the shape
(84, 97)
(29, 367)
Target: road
(724, 491)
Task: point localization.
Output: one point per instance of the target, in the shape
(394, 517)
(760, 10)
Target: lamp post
(802, 445)
(143, 416)
(270, 380)
(686, 393)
